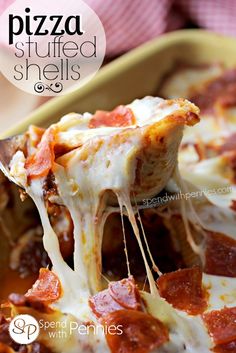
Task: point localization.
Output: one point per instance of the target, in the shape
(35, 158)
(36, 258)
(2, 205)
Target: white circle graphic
(51, 47)
(24, 329)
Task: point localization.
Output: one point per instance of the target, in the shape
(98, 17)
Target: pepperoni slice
(183, 289)
(46, 289)
(225, 348)
(220, 255)
(220, 90)
(119, 117)
(102, 304)
(135, 332)
(39, 164)
(120, 295)
(221, 325)
(126, 293)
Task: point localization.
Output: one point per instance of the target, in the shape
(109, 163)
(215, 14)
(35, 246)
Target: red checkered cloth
(129, 23)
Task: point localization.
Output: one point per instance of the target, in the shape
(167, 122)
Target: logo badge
(51, 47)
(24, 329)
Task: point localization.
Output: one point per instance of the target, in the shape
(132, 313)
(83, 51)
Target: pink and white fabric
(129, 23)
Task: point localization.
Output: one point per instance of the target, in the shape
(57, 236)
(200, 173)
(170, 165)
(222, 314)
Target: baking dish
(135, 74)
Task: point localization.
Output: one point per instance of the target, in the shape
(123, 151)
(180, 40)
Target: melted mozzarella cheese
(211, 176)
(212, 131)
(74, 128)
(222, 291)
(187, 81)
(209, 216)
(187, 333)
(104, 161)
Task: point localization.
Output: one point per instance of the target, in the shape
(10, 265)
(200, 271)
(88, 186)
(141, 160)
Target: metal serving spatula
(8, 147)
